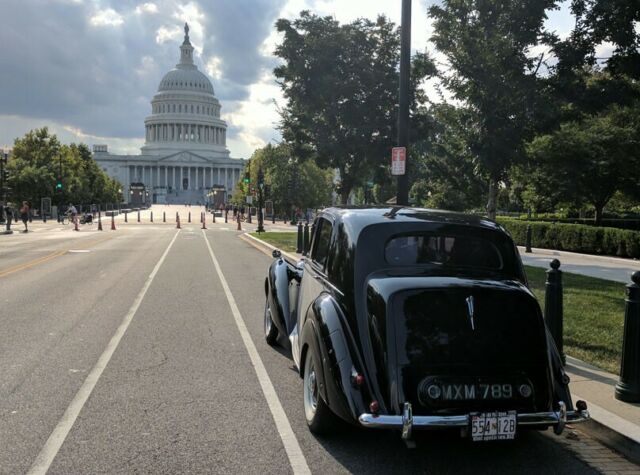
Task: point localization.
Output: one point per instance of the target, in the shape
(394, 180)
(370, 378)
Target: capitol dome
(185, 114)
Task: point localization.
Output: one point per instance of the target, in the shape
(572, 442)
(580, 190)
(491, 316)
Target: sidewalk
(613, 422)
(603, 267)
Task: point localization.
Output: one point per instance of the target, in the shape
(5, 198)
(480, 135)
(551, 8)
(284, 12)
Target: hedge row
(575, 237)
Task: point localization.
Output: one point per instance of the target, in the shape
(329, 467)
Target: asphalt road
(123, 352)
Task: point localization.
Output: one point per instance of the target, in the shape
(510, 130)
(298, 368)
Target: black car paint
(336, 302)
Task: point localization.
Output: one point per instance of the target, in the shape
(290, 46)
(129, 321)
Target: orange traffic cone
(113, 223)
(204, 226)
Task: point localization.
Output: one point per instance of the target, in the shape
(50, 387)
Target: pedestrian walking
(24, 215)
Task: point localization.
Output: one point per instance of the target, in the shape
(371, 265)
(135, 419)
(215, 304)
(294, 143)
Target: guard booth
(216, 196)
(137, 195)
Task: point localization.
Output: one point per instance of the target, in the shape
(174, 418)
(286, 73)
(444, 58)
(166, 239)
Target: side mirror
(276, 253)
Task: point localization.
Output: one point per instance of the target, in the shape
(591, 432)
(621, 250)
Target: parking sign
(398, 160)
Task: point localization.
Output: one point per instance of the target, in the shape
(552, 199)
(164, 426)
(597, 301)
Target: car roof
(358, 217)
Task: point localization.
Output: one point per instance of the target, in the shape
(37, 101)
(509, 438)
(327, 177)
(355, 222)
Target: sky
(88, 69)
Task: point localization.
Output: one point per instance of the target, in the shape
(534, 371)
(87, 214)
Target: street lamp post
(260, 200)
(402, 197)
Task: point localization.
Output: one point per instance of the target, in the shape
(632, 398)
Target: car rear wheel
(270, 330)
(319, 417)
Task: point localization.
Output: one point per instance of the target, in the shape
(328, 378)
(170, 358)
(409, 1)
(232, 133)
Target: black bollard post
(189, 215)
(226, 215)
(528, 239)
(249, 215)
(138, 215)
(300, 243)
(164, 216)
(44, 217)
(553, 311)
(306, 238)
(152, 216)
(126, 220)
(628, 387)
(273, 215)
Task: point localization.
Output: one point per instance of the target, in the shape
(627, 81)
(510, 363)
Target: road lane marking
(48, 257)
(51, 447)
(292, 447)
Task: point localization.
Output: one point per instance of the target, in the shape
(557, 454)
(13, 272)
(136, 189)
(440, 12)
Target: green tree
(448, 175)
(487, 44)
(291, 184)
(589, 161)
(341, 86)
(39, 161)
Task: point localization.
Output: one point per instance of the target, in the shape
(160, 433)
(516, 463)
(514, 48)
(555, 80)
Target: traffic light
(59, 185)
(246, 178)
(5, 175)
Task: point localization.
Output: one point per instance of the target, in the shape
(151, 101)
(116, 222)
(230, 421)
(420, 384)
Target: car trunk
(452, 345)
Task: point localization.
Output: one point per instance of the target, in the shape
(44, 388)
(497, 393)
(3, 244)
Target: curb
(611, 430)
(557, 253)
(267, 248)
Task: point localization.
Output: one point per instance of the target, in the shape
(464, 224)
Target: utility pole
(402, 197)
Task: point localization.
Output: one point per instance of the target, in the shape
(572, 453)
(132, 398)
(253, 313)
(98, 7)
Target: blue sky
(89, 68)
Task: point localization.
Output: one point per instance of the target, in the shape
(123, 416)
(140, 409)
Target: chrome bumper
(407, 421)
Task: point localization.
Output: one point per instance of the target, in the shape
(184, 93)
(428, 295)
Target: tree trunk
(599, 212)
(344, 194)
(493, 198)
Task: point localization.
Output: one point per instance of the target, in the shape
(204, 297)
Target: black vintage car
(405, 318)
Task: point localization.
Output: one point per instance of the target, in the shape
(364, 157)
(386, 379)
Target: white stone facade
(185, 152)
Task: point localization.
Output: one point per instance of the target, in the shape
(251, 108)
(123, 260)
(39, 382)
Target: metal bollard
(226, 215)
(528, 239)
(553, 309)
(273, 216)
(125, 217)
(249, 215)
(138, 215)
(628, 387)
(99, 220)
(44, 218)
(189, 215)
(164, 216)
(306, 238)
(152, 216)
(300, 243)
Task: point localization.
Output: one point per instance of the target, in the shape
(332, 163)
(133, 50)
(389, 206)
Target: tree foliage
(589, 161)
(39, 161)
(289, 183)
(486, 45)
(341, 86)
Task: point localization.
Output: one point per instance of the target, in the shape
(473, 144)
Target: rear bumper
(406, 422)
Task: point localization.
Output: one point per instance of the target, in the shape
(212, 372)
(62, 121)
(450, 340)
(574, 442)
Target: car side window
(322, 240)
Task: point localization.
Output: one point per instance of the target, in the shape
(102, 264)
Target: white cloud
(213, 67)
(108, 17)
(146, 8)
(164, 34)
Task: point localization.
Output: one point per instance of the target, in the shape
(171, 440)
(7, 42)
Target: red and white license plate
(493, 425)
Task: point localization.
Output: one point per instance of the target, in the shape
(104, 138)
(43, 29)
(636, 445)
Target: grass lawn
(593, 317)
(593, 310)
(284, 241)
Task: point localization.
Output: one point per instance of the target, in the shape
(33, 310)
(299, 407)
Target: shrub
(575, 237)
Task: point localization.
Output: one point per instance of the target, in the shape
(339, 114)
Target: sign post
(398, 160)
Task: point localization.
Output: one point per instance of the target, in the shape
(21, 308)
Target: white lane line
(45, 458)
(291, 445)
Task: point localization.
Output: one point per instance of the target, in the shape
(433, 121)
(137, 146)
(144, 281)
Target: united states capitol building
(185, 153)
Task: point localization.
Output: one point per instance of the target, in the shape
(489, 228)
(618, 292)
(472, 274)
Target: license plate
(493, 425)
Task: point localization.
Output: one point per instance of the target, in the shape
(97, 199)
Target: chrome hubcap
(267, 319)
(310, 390)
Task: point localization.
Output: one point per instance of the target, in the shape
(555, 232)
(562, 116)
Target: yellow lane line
(48, 257)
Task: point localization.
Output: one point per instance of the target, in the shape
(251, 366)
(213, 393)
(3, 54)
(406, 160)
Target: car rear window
(457, 251)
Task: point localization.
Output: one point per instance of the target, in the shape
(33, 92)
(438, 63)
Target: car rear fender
(277, 288)
(559, 377)
(325, 332)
